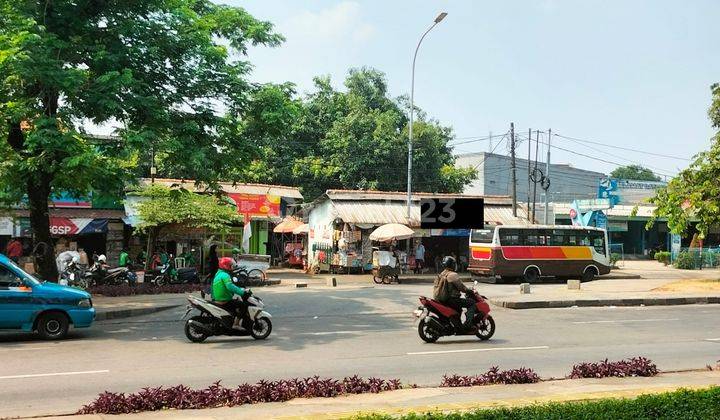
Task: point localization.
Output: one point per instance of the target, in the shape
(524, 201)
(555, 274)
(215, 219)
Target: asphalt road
(337, 333)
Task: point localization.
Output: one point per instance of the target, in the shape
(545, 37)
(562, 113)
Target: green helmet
(236, 251)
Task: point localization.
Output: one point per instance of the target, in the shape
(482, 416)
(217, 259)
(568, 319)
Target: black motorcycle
(74, 275)
(99, 274)
(169, 274)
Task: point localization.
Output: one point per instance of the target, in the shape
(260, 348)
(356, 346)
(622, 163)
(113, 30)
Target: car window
(484, 236)
(9, 278)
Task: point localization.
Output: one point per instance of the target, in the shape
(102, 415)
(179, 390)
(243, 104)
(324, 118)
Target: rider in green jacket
(223, 290)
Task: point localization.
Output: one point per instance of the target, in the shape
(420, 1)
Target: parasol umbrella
(302, 229)
(391, 231)
(287, 225)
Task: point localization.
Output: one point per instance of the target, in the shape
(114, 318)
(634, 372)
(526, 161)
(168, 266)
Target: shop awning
(287, 225)
(377, 212)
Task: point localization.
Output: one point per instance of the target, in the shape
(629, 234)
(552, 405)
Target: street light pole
(437, 20)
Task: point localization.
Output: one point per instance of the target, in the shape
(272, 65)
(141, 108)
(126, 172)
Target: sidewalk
(444, 399)
(128, 306)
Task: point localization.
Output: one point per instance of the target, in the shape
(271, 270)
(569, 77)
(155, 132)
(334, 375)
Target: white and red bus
(529, 252)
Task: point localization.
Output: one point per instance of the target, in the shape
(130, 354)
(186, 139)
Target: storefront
(340, 223)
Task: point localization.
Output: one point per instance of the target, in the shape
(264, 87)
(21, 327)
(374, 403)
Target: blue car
(29, 304)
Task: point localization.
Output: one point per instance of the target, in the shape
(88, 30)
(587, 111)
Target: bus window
(558, 237)
(598, 241)
(509, 237)
(545, 236)
(531, 237)
(483, 236)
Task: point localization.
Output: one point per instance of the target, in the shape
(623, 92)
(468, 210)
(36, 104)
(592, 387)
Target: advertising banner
(6, 226)
(257, 205)
(60, 226)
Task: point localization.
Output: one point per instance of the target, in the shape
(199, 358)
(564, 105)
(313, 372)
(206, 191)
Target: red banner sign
(257, 205)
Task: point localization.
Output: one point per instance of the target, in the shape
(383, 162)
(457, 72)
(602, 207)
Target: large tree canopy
(634, 172)
(694, 194)
(356, 138)
(168, 70)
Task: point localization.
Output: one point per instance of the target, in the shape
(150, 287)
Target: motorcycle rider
(448, 287)
(223, 290)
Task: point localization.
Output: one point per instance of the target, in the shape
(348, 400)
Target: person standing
(419, 257)
(14, 250)
(124, 260)
(212, 261)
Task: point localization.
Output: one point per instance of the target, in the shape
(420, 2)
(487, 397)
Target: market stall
(387, 261)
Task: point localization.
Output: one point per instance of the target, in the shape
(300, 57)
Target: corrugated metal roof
(381, 212)
(376, 212)
(229, 187)
(402, 196)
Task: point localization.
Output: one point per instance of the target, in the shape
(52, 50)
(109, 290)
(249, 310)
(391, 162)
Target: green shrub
(685, 261)
(681, 404)
(710, 259)
(614, 258)
(663, 257)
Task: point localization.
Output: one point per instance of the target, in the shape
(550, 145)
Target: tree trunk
(38, 191)
(152, 238)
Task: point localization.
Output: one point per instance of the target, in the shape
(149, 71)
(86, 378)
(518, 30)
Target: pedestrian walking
(419, 257)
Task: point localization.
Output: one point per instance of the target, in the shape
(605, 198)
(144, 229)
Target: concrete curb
(127, 313)
(564, 303)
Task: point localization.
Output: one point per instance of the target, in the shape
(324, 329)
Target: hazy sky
(630, 73)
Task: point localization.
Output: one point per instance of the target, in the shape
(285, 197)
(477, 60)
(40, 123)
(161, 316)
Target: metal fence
(696, 258)
(618, 249)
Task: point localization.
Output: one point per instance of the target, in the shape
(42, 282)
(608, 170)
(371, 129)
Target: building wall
(494, 178)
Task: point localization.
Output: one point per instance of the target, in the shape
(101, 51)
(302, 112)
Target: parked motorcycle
(74, 275)
(216, 320)
(437, 320)
(169, 274)
(98, 274)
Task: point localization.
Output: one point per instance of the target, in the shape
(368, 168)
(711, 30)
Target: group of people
(421, 258)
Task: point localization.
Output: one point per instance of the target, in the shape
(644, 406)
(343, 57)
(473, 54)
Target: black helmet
(449, 263)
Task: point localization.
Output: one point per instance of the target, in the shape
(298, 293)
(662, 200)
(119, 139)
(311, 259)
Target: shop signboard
(65, 200)
(628, 191)
(257, 205)
(452, 213)
(60, 226)
(617, 226)
(6, 226)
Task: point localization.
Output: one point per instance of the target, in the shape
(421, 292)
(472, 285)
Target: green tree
(162, 68)
(356, 138)
(694, 194)
(635, 172)
(160, 207)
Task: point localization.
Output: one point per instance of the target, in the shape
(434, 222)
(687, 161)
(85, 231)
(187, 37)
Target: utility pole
(512, 165)
(535, 182)
(490, 146)
(527, 203)
(547, 175)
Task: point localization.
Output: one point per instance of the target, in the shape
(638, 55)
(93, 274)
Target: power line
(623, 148)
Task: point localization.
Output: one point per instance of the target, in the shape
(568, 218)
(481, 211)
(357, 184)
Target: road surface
(336, 333)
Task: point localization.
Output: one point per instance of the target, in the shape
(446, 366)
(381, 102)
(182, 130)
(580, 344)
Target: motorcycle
(98, 275)
(169, 274)
(437, 320)
(74, 275)
(216, 320)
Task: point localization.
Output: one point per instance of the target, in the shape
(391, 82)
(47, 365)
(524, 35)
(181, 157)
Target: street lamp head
(440, 17)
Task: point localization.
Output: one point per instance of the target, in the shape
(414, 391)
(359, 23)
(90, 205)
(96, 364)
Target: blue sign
(608, 188)
(601, 220)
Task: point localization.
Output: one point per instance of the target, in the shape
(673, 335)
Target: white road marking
(27, 349)
(712, 339)
(332, 332)
(478, 350)
(626, 320)
(42, 375)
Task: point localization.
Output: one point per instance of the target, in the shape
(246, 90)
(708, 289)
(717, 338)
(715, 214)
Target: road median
(539, 302)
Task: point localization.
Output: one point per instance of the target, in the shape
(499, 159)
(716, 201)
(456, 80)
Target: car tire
(53, 326)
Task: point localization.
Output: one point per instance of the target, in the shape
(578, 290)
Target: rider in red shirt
(14, 250)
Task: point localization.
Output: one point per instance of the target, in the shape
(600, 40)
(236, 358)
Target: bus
(533, 251)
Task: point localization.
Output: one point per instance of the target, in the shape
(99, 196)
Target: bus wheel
(588, 274)
(532, 275)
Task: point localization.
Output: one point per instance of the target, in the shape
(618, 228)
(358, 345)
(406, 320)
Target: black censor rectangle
(452, 213)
